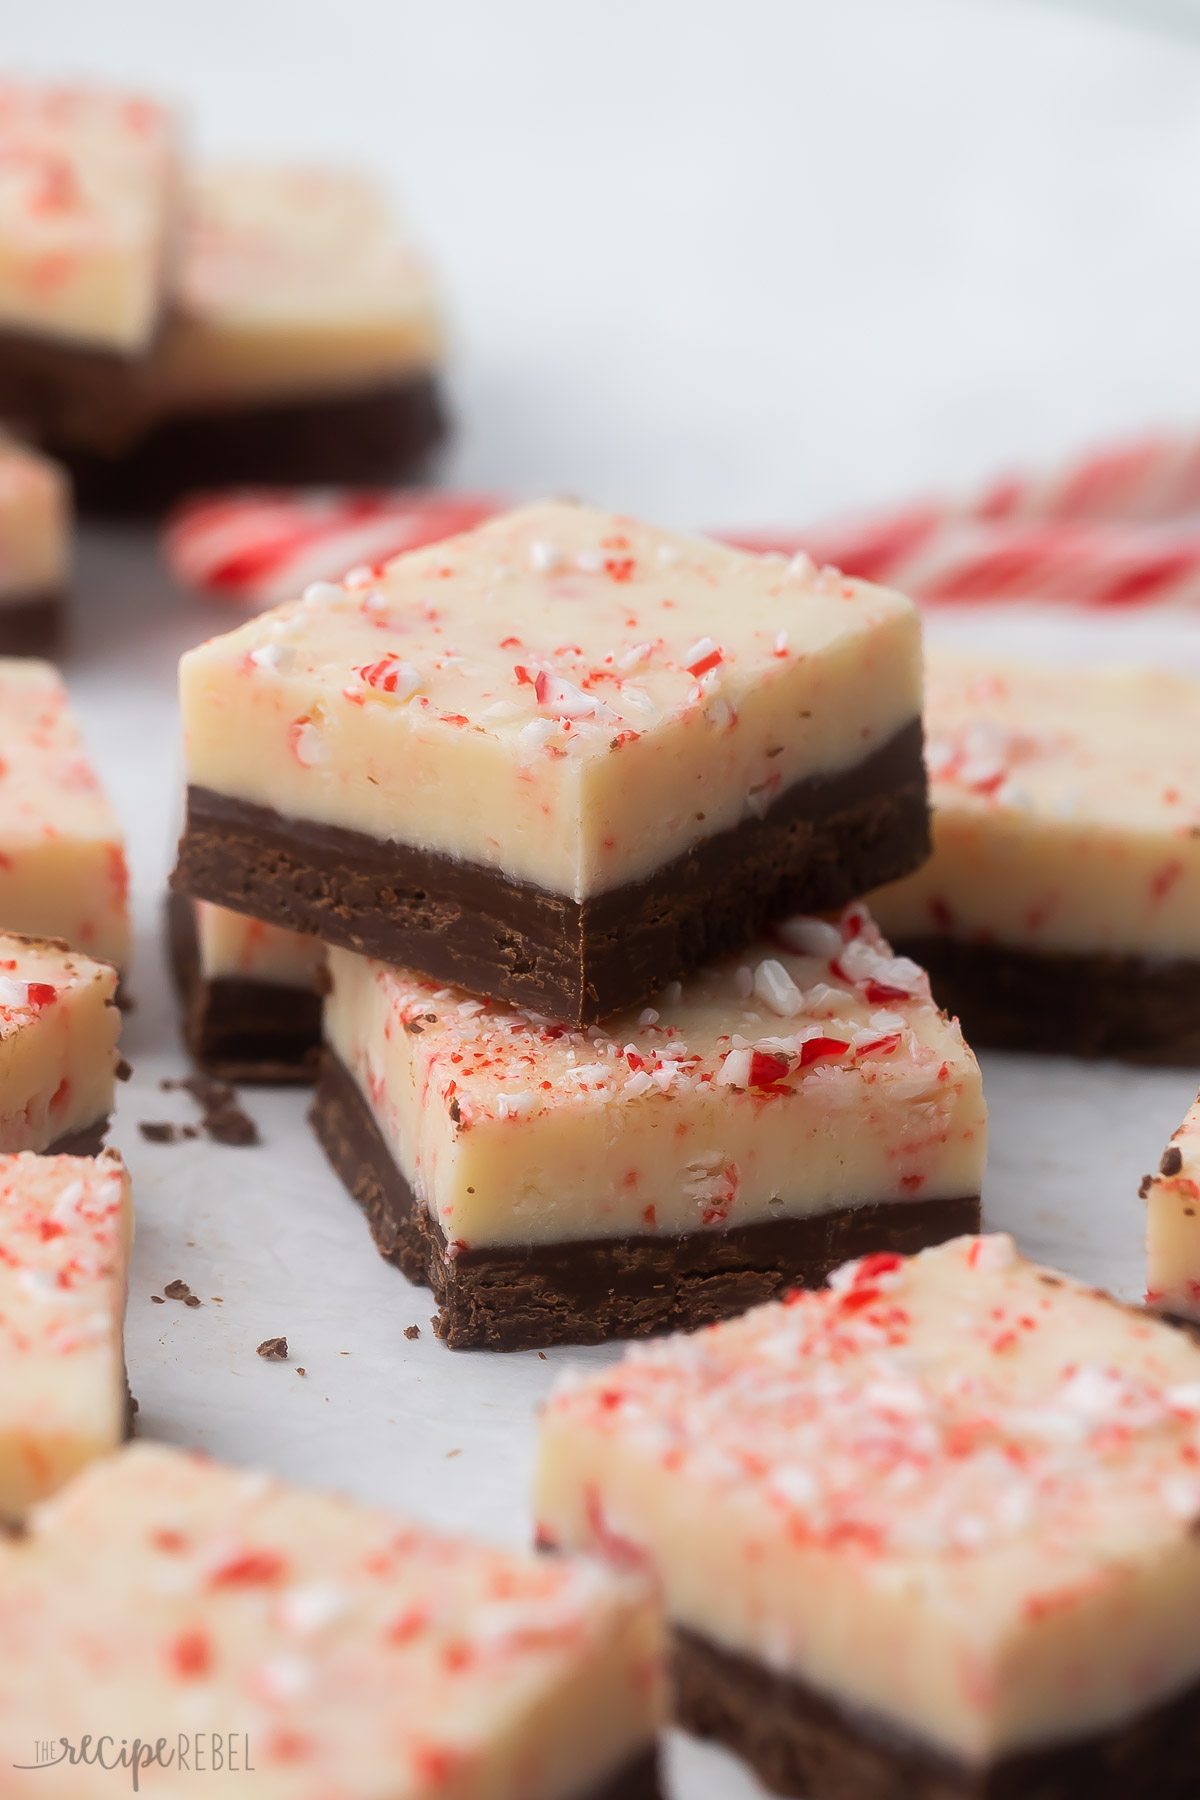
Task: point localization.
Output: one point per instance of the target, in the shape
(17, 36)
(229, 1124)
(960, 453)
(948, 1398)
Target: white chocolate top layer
(87, 180)
(788, 1084)
(65, 1231)
(1172, 1199)
(353, 1654)
(233, 946)
(58, 1041)
(1066, 810)
(62, 858)
(292, 280)
(565, 695)
(956, 1492)
(35, 524)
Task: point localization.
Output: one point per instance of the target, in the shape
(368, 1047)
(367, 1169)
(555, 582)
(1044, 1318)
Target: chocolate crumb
(412, 1331)
(157, 1131)
(123, 1070)
(1144, 1186)
(302, 1371)
(158, 1300)
(451, 1453)
(1172, 1160)
(542, 1354)
(455, 1113)
(412, 1026)
(177, 1290)
(274, 1349)
(192, 1300)
(224, 1120)
(1050, 1280)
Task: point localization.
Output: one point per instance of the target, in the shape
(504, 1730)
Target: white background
(722, 264)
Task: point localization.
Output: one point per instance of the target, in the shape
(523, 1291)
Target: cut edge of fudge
(87, 1139)
(239, 1029)
(1134, 1009)
(823, 842)
(591, 1290)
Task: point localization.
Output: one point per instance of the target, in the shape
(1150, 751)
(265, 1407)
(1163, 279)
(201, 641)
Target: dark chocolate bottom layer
(799, 1743)
(1128, 1007)
(585, 1292)
(32, 626)
(378, 435)
(240, 1030)
(638, 1780)
(823, 842)
(87, 1141)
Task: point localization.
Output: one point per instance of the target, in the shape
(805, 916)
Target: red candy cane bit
(190, 1655)
(385, 676)
(879, 991)
(821, 1049)
(40, 994)
(525, 677)
(704, 656)
(767, 1070)
(252, 1568)
(620, 568)
(880, 1046)
(880, 1262)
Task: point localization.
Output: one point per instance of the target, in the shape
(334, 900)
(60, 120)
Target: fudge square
(1060, 910)
(65, 1231)
(62, 857)
(338, 1650)
(59, 1026)
(559, 760)
(302, 344)
(87, 188)
(1172, 1197)
(35, 551)
(930, 1531)
(751, 1130)
(250, 993)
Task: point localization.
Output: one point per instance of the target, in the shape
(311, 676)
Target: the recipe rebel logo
(199, 1753)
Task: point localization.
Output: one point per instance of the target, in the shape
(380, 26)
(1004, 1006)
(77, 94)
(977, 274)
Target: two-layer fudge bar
(749, 1131)
(87, 196)
(1172, 1197)
(303, 345)
(62, 858)
(249, 992)
(59, 1026)
(1060, 910)
(559, 760)
(35, 551)
(329, 1648)
(931, 1532)
(65, 1230)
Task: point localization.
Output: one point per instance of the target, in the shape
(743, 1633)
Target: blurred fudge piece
(87, 226)
(35, 551)
(931, 1533)
(65, 1231)
(561, 759)
(249, 992)
(303, 345)
(749, 1131)
(62, 858)
(1172, 1199)
(336, 1649)
(1060, 910)
(59, 1026)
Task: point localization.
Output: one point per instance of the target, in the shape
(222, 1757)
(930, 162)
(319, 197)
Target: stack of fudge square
(165, 328)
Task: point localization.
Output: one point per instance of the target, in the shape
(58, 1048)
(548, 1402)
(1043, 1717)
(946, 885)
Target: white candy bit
(537, 734)
(992, 1253)
(360, 576)
(501, 712)
(13, 993)
(566, 701)
(776, 989)
(634, 657)
(743, 981)
(272, 656)
(735, 1070)
(515, 1106)
(719, 717)
(781, 643)
(590, 561)
(939, 756)
(307, 1609)
(1014, 795)
(1184, 1396)
(640, 701)
(467, 1009)
(667, 555)
(638, 1084)
(802, 567)
(39, 1284)
(309, 745)
(704, 655)
(322, 593)
(544, 556)
(1180, 1495)
(648, 1016)
(375, 601)
(810, 937)
(283, 1677)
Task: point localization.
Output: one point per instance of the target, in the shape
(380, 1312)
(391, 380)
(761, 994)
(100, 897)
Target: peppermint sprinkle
(322, 593)
(776, 989)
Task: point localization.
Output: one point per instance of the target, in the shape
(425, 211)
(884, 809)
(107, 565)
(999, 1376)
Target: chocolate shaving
(159, 1132)
(223, 1120)
(158, 1300)
(179, 1290)
(1172, 1160)
(274, 1349)
(412, 1331)
(455, 1111)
